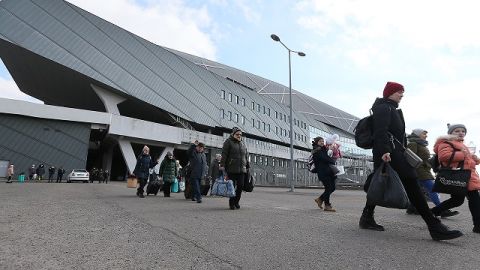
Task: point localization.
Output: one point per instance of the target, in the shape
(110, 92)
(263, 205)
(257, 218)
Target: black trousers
(238, 180)
(142, 183)
(409, 177)
(329, 185)
(166, 188)
(457, 200)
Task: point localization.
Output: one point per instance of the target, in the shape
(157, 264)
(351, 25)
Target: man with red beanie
(388, 121)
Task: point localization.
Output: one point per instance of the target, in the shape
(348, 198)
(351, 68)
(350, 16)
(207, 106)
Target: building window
(230, 97)
(273, 162)
(276, 130)
(222, 94)
(243, 119)
(222, 113)
(236, 118)
(253, 105)
(258, 124)
(243, 102)
(230, 116)
(237, 99)
(276, 114)
(264, 126)
(264, 110)
(253, 122)
(258, 107)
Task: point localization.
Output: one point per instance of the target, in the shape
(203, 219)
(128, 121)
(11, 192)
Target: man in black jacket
(388, 121)
(198, 167)
(142, 169)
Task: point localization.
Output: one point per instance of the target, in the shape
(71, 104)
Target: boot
(329, 208)
(439, 232)
(448, 213)
(319, 202)
(368, 222)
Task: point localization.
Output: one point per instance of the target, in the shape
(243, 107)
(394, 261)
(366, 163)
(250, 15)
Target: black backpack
(364, 133)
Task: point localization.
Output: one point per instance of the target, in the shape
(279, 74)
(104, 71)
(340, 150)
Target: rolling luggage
(188, 193)
(153, 187)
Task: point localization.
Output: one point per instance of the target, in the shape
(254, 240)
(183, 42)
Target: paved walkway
(105, 226)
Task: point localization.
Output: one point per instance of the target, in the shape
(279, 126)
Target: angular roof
(55, 51)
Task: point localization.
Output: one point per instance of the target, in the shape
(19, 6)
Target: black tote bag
(452, 181)
(386, 189)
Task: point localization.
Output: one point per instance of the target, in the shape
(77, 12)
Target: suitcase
(188, 193)
(153, 188)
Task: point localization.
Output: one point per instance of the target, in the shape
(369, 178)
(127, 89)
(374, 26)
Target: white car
(78, 175)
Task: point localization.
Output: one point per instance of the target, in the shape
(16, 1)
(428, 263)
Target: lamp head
(275, 37)
(301, 53)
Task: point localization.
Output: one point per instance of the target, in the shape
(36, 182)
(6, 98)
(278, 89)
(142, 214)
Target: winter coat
(215, 171)
(198, 163)
(444, 152)
(40, 170)
(144, 164)
(387, 119)
(10, 171)
(168, 170)
(419, 147)
(234, 156)
(322, 162)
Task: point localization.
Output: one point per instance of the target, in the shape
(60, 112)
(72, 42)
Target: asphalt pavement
(105, 226)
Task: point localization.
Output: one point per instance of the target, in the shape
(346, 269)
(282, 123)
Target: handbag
(249, 182)
(334, 169)
(223, 188)
(413, 159)
(452, 181)
(386, 189)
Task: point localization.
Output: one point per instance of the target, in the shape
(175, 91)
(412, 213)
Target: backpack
(364, 133)
(311, 164)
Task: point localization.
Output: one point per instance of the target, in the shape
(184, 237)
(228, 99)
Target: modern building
(107, 92)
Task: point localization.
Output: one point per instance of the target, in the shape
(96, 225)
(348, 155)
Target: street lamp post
(292, 162)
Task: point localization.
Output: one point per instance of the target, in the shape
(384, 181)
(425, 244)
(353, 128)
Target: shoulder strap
(453, 154)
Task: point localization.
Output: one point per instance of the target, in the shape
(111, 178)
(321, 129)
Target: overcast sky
(352, 49)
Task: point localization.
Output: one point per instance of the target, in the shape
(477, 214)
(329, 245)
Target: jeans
(195, 182)
(428, 185)
(329, 185)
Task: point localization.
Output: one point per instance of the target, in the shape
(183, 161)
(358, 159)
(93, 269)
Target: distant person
(198, 168)
(51, 172)
(10, 173)
(325, 173)
(214, 170)
(40, 172)
(234, 162)
(31, 172)
(106, 176)
(60, 173)
(389, 124)
(417, 142)
(100, 176)
(461, 153)
(168, 171)
(141, 171)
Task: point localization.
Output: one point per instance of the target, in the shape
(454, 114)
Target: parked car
(78, 175)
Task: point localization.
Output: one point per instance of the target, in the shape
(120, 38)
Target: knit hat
(235, 130)
(391, 88)
(169, 154)
(452, 127)
(418, 131)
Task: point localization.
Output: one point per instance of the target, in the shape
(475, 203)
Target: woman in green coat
(168, 172)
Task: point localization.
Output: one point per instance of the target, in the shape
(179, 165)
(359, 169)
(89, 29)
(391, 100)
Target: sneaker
(329, 208)
(448, 213)
(319, 202)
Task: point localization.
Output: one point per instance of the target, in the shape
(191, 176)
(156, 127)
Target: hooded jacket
(444, 152)
(419, 147)
(168, 169)
(387, 119)
(234, 156)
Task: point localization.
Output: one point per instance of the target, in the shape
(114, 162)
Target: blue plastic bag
(223, 188)
(174, 186)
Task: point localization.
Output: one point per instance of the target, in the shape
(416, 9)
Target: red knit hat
(391, 88)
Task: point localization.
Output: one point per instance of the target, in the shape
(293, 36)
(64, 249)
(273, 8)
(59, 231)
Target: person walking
(417, 142)
(40, 172)
(31, 172)
(142, 167)
(388, 123)
(198, 168)
(51, 172)
(443, 148)
(234, 162)
(168, 171)
(10, 173)
(214, 170)
(60, 173)
(325, 174)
